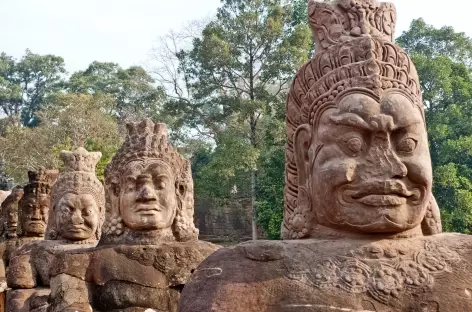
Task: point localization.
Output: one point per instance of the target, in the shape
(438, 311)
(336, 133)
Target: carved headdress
(78, 178)
(149, 141)
(354, 51)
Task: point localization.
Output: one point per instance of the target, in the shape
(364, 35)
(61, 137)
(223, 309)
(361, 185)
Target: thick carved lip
(36, 223)
(77, 228)
(147, 208)
(389, 193)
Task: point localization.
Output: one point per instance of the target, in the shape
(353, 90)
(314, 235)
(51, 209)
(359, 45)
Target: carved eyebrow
(350, 119)
(405, 124)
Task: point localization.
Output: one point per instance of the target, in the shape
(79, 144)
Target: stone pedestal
(27, 300)
(125, 277)
(417, 274)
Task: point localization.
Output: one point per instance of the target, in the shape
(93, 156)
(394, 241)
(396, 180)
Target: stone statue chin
(149, 245)
(361, 229)
(74, 222)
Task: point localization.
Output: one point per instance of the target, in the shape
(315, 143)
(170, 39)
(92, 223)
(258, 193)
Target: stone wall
(228, 222)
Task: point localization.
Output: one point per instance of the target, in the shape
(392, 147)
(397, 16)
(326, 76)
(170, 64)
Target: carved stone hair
(354, 52)
(40, 183)
(79, 177)
(146, 140)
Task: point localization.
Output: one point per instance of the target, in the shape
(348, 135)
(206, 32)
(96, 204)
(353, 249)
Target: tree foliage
(133, 90)
(67, 121)
(238, 72)
(26, 84)
(443, 59)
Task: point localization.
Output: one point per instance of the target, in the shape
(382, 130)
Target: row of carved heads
(149, 195)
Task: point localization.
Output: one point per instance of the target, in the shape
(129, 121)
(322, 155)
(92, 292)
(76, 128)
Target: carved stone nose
(147, 193)
(77, 218)
(36, 215)
(384, 163)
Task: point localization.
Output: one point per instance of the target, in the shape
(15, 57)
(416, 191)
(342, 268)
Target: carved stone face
(371, 171)
(77, 216)
(147, 195)
(11, 213)
(35, 215)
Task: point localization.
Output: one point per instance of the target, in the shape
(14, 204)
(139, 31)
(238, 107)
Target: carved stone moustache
(35, 203)
(358, 183)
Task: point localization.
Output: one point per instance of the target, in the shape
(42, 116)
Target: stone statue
(34, 205)
(26, 211)
(75, 220)
(361, 228)
(149, 245)
(8, 226)
(9, 213)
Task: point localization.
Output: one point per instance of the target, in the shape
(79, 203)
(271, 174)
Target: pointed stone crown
(343, 20)
(40, 182)
(145, 140)
(80, 160)
(79, 176)
(354, 49)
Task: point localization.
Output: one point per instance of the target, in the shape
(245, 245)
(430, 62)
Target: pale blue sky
(124, 31)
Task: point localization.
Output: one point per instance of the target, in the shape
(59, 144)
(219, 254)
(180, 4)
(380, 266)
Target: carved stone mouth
(35, 223)
(382, 200)
(386, 194)
(77, 228)
(148, 208)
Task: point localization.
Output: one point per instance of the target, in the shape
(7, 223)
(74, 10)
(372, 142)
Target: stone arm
(69, 289)
(20, 273)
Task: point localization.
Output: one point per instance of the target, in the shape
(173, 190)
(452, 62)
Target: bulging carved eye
(354, 145)
(407, 145)
(161, 185)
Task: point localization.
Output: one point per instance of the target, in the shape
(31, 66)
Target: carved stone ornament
(149, 190)
(78, 199)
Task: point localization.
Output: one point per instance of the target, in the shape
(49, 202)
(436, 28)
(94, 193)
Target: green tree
(133, 89)
(443, 59)
(238, 73)
(26, 84)
(66, 121)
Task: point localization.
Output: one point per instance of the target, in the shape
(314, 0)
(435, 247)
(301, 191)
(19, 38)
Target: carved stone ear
(180, 189)
(115, 188)
(431, 223)
(302, 143)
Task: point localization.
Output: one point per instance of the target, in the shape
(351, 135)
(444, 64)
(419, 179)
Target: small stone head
(358, 155)
(35, 203)
(10, 212)
(149, 189)
(78, 199)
